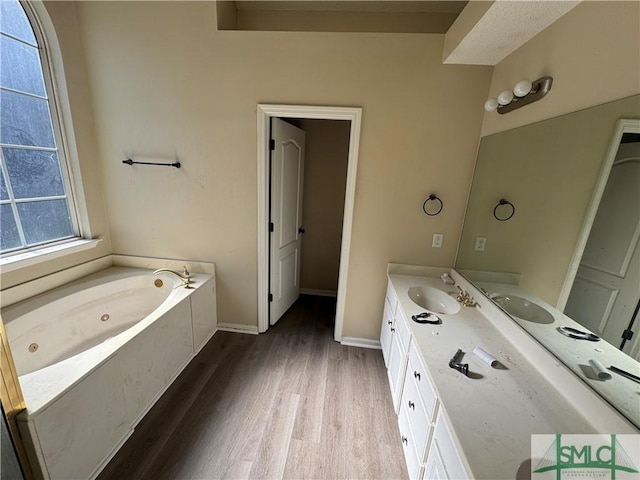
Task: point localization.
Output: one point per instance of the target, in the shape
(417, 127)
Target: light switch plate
(481, 243)
(437, 240)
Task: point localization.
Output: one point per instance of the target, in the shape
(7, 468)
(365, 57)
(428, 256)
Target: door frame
(624, 125)
(264, 113)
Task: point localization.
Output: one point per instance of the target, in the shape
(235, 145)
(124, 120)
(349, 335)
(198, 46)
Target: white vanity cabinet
(453, 426)
(426, 437)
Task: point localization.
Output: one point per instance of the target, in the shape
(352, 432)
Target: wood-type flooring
(288, 404)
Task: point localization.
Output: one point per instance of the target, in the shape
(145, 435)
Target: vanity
(478, 425)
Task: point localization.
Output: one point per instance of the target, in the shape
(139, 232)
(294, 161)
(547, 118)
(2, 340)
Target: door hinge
(272, 144)
(627, 334)
(270, 226)
(271, 297)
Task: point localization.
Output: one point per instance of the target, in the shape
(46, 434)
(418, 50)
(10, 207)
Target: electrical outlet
(481, 243)
(437, 240)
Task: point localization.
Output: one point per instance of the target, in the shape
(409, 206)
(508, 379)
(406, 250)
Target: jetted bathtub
(95, 355)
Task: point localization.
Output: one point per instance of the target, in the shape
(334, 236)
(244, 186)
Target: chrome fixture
(464, 298)
(524, 92)
(185, 276)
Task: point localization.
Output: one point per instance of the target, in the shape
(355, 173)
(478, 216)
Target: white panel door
(287, 175)
(607, 286)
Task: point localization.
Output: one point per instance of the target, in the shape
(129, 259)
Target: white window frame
(55, 86)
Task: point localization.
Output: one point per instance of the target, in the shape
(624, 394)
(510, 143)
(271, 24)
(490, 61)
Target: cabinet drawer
(423, 383)
(385, 332)
(418, 420)
(402, 329)
(414, 466)
(448, 450)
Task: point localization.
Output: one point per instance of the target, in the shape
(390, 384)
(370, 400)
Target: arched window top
(36, 206)
(14, 22)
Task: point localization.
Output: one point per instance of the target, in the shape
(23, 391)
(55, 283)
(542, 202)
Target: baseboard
(319, 293)
(232, 327)
(361, 342)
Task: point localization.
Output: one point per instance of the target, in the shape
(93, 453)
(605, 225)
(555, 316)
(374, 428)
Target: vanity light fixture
(524, 92)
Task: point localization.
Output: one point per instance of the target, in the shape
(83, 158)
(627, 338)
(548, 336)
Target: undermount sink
(433, 300)
(522, 308)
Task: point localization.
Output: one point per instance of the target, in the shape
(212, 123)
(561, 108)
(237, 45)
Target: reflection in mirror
(555, 172)
(606, 291)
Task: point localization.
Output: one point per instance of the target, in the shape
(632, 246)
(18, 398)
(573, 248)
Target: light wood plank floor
(287, 404)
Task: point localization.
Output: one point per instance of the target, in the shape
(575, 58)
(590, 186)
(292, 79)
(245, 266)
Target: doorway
(605, 288)
(265, 113)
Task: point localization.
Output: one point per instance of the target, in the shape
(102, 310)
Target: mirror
(565, 178)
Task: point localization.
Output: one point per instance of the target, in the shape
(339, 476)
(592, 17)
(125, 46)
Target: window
(36, 206)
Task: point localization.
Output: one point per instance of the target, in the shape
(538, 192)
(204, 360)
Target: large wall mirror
(569, 255)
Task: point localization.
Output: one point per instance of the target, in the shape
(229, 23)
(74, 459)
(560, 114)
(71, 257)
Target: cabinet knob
(416, 375)
(404, 440)
(389, 322)
(412, 405)
(393, 329)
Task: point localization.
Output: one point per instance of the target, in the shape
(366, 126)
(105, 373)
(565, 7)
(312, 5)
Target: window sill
(44, 254)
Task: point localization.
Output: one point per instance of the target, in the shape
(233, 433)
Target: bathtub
(94, 356)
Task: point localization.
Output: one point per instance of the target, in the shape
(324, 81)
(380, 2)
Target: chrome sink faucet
(464, 298)
(185, 276)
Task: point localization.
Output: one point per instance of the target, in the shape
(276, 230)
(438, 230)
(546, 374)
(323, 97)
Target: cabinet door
(397, 367)
(386, 332)
(447, 447)
(434, 468)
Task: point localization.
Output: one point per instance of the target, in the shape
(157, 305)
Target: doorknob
(301, 230)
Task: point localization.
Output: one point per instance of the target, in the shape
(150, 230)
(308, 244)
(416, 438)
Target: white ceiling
(505, 27)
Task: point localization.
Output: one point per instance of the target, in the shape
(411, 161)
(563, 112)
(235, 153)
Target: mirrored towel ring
(433, 209)
(509, 212)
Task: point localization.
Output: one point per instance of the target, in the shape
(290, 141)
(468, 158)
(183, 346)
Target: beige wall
(68, 64)
(592, 53)
(325, 21)
(164, 83)
(325, 179)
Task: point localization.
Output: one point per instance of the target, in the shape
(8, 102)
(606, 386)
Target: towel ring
(432, 197)
(500, 203)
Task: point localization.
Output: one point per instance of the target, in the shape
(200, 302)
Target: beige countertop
(621, 392)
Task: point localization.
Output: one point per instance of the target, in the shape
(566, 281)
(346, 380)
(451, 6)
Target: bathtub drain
(33, 347)
(158, 283)
(104, 317)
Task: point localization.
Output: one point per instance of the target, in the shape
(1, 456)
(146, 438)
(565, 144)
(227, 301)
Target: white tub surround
(477, 426)
(82, 408)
